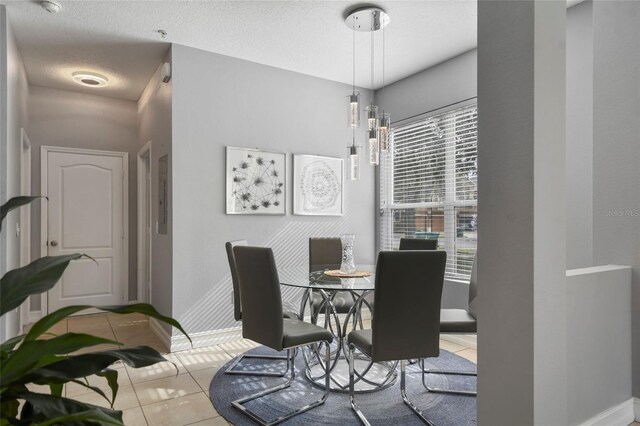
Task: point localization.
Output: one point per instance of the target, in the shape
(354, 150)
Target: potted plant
(31, 359)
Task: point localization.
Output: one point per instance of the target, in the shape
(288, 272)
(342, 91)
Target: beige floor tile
(59, 328)
(125, 398)
(97, 348)
(238, 347)
(134, 417)
(166, 388)
(451, 347)
(180, 411)
(467, 340)
(204, 377)
(152, 343)
(201, 358)
(131, 330)
(87, 322)
(157, 371)
(216, 421)
(74, 389)
(470, 354)
(39, 388)
(104, 332)
(127, 318)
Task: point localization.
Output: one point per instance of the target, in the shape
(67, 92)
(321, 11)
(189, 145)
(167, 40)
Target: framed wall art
(317, 185)
(256, 181)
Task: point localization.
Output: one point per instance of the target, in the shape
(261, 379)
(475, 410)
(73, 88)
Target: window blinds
(428, 186)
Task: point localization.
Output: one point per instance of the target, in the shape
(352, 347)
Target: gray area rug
(381, 408)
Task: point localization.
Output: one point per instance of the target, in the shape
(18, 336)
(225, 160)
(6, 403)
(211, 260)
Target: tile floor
(161, 395)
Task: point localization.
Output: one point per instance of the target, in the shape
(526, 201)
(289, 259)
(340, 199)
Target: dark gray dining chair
(263, 322)
(408, 291)
(459, 321)
(323, 252)
(237, 314)
(418, 244)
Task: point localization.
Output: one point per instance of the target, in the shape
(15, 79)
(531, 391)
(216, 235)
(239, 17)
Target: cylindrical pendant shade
(354, 162)
(374, 148)
(354, 110)
(385, 127)
(372, 117)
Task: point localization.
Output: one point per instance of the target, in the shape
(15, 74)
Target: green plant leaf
(10, 344)
(47, 408)
(14, 203)
(84, 365)
(35, 278)
(95, 417)
(9, 407)
(112, 380)
(36, 353)
(56, 388)
(53, 318)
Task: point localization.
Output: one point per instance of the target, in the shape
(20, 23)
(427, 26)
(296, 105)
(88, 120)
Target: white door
(86, 214)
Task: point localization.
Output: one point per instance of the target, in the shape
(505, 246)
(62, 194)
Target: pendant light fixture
(354, 119)
(384, 119)
(370, 19)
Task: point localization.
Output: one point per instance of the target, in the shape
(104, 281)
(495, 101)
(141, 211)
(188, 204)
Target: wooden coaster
(356, 274)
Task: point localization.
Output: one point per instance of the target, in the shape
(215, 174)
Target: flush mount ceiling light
(51, 6)
(90, 79)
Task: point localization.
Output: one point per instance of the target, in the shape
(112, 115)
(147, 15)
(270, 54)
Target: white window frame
(448, 205)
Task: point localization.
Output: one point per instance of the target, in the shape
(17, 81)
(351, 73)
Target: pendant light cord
(383, 31)
(372, 51)
(354, 54)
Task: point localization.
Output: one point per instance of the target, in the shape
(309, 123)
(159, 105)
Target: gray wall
(447, 83)
(220, 101)
(522, 299)
(580, 135)
(14, 90)
(154, 123)
(616, 147)
(79, 120)
(598, 344)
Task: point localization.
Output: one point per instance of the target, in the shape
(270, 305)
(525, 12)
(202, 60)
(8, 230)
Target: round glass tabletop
(301, 277)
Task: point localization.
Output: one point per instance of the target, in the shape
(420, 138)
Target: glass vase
(348, 266)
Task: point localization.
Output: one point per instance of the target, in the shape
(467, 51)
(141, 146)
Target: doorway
(87, 213)
(144, 223)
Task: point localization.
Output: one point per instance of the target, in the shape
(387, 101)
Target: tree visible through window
(428, 186)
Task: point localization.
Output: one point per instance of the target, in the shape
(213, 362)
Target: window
(428, 186)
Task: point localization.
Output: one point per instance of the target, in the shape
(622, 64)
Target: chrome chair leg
(352, 392)
(238, 404)
(230, 369)
(449, 373)
(403, 391)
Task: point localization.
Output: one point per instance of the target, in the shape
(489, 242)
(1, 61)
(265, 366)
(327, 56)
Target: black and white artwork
(255, 181)
(317, 185)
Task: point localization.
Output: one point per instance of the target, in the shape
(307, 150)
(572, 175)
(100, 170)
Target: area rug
(381, 408)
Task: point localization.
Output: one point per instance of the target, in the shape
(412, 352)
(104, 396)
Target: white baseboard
(619, 415)
(205, 338)
(34, 316)
(159, 331)
(636, 408)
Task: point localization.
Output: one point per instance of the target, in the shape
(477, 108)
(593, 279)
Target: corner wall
(220, 101)
(14, 90)
(616, 148)
(155, 124)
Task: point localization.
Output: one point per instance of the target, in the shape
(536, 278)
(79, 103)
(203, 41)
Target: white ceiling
(119, 39)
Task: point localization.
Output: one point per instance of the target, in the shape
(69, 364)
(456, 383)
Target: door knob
(54, 243)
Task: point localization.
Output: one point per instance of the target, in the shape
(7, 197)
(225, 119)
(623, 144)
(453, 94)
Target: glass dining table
(324, 289)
